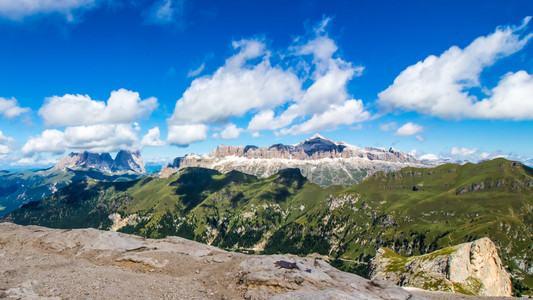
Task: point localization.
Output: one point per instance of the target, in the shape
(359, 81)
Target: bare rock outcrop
(470, 268)
(43, 263)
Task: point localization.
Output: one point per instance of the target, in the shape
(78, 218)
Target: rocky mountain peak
(129, 161)
(318, 143)
(124, 161)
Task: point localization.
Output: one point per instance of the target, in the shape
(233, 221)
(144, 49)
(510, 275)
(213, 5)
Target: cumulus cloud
(439, 85)
(152, 138)
(511, 99)
(249, 83)
(102, 137)
(19, 9)
(10, 108)
(266, 119)
(183, 135)
(409, 128)
(123, 106)
(351, 111)
(94, 138)
(462, 151)
(326, 101)
(7, 145)
(236, 88)
(231, 132)
(92, 125)
(51, 140)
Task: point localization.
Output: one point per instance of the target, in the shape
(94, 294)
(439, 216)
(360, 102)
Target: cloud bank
(276, 97)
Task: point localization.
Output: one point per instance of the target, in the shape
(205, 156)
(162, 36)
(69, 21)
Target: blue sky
(438, 79)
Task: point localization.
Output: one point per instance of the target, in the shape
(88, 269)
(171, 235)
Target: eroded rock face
(470, 268)
(89, 263)
(321, 160)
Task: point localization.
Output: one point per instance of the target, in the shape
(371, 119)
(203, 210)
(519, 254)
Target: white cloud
(462, 151)
(409, 128)
(231, 132)
(10, 108)
(93, 138)
(102, 137)
(461, 155)
(420, 138)
(32, 161)
(429, 156)
(326, 101)
(511, 99)
(236, 88)
(388, 127)
(197, 71)
(266, 120)
(19, 9)
(123, 106)
(7, 144)
(439, 85)
(249, 83)
(350, 112)
(183, 135)
(51, 140)
(152, 138)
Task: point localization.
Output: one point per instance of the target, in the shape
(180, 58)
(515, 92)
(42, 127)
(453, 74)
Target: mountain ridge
(320, 159)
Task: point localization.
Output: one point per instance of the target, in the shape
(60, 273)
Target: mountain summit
(125, 161)
(320, 159)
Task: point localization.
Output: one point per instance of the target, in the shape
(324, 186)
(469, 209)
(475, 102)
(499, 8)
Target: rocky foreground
(43, 263)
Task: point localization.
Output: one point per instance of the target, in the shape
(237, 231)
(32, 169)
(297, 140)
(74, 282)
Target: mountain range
(412, 211)
(18, 188)
(332, 199)
(320, 160)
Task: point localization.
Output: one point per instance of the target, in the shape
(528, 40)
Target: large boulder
(473, 268)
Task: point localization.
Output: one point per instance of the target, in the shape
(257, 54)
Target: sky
(436, 79)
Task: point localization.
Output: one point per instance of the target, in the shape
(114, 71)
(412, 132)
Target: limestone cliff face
(321, 160)
(471, 268)
(316, 147)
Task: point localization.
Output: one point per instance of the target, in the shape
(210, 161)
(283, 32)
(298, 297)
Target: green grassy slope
(23, 187)
(413, 211)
